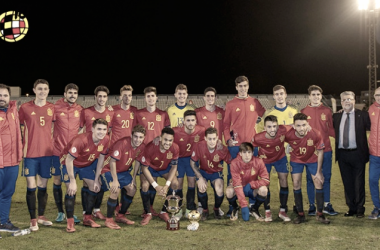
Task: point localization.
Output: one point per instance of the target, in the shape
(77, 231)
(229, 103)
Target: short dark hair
(210, 131)
(71, 86)
(278, 87)
(99, 121)
(271, 118)
(313, 88)
(240, 79)
(101, 88)
(189, 113)
(168, 131)
(245, 146)
(150, 89)
(208, 89)
(3, 86)
(138, 129)
(40, 81)
(299, 116)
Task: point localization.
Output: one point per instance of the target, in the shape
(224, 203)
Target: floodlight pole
(372, 16)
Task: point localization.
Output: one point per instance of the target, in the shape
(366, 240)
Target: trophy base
(172, 225)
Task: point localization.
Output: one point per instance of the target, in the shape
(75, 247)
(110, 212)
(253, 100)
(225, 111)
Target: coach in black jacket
(351, 151)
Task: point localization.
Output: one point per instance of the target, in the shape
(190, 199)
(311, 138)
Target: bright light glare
(363, 4)
(377, 4)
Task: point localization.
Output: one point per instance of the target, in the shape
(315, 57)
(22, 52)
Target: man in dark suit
(351, 151)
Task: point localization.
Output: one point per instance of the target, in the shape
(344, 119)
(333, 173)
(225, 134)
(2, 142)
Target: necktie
(346, 130)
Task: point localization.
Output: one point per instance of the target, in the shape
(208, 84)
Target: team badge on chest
(323, 117)
(76, 113)
(253, 172)
(108, 118)
(282, 138)
(169, 155)
(158, 118)
(196, 138)
(216, 158)
(251, 107)
(132, 115)
(219, 116)
(49, 112)
(310, 142)
(100, 148)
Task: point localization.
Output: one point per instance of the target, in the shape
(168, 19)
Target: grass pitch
(342, 233)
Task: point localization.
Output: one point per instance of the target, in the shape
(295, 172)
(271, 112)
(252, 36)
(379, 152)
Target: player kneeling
(211, 169)
(159, 161)
(79, 157)
(116, 174)
(249, 179)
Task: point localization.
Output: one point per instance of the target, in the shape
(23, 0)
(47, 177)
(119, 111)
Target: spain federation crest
(169, 155)
(251, 107)
(76, 113)
(132, 115)
(216, 158)
(100, 148)
(158, 118)
(108, 118)
(323, 117)
(219, 116)
(253, 172)
(13, 26)
(49, 112)
(196, 138)
(310, 142)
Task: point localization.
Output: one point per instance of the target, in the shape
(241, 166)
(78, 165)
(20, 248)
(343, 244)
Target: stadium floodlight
(363, 4)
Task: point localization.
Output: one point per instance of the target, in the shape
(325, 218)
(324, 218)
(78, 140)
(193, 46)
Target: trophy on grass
(194, 216)
(173, 207)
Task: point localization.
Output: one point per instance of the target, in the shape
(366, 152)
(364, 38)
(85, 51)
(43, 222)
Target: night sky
(295, 43)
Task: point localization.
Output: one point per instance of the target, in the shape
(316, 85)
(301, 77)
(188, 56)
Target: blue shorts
(56, 166)
(155, 173)
(38, 165)
(84, 173)
(185, 168)
(124, 179)
(297, 168)
(281, 165)
(211, 177)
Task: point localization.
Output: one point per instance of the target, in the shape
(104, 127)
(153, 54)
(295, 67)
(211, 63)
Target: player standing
(11, 155)
(249, 179)
(116, 174)
(88, 116)
(36, 119)
(239, 120)
(159, 161)
(307, 150)
(187, 138)
(66, 125)
(320, 118)
(84, 155)
(154, 120)
(211, 169)
(272, 151)
(177, 110)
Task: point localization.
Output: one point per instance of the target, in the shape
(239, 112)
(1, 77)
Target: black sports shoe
(322, 219)
(8, 227)
(295, 210)
(255, 213)
(204, 215)
(230, 208)
(299, 219)
(217, 214)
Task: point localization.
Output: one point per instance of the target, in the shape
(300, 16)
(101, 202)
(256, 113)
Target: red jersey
(153, 122)
(187, 142)
(320, 118)
(123, 122)
(304, 150)
(240, 118)
(210, 161)
(124, 154)
(37, 123)
(84, 150)
(154, 158)
(90, 114)
(66, 124)
(271, 150)
(10, 137)
(374, 136)
(213, 119)
(254, 173)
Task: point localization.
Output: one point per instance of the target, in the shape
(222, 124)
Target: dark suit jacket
(362, 125)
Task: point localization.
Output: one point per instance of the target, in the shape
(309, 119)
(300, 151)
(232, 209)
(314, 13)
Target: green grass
(342, 233)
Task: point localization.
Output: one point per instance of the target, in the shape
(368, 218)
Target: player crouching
(211, 169)
(116, 174)
(249, 179)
